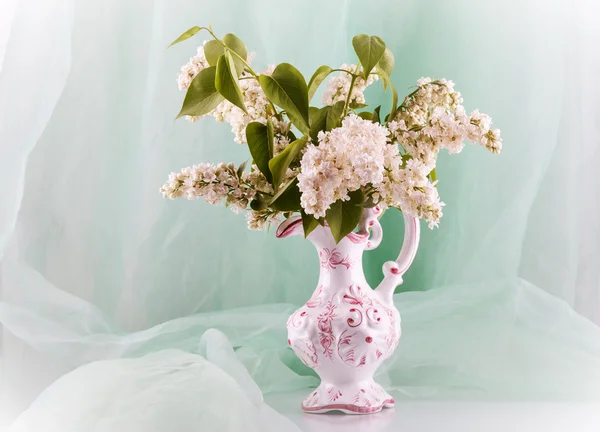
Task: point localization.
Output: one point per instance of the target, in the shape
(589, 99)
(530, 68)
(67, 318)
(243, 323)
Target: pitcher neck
(340, 267)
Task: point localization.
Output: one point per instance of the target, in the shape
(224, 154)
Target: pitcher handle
(412, 235)
(393, 270)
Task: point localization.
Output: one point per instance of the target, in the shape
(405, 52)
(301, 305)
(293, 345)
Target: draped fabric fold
(503, 300)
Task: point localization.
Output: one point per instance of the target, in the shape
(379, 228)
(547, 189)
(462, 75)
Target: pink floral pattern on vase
(297, 319)
(354, 296)
(393, 337)
(315, 300)
(357, 350)
(345, 348)
(333, 394)
(312, 400)
(373, 315)
(306, 351)
(357, 238)
(331, 259)
(326, 337)
(355, 317)
(362, 398)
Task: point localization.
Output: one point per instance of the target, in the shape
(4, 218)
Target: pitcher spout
(391, 279)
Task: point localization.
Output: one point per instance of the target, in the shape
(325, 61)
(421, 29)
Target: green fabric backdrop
(501, 299)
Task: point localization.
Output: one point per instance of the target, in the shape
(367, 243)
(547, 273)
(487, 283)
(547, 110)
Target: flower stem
(354, 76)
(342, 70)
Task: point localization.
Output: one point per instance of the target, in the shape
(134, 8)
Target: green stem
(354, 76)
(403, 148)
(369, 190)
(402, 105)
(406, 99)
(265, 193)
(342, 70)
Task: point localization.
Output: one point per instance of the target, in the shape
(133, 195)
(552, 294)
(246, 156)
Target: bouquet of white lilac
(327, 163)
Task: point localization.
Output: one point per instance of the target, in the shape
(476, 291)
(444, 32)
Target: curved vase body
(346, 329)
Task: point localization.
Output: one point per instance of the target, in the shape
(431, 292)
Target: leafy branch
(287, 89)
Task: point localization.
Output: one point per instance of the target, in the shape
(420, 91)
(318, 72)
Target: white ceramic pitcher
(346, 329)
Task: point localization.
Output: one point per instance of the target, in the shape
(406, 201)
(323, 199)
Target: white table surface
(440, 416)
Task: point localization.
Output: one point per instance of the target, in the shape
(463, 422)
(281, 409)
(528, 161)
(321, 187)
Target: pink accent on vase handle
(371, 223)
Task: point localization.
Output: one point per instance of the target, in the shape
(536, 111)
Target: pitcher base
(362, 398)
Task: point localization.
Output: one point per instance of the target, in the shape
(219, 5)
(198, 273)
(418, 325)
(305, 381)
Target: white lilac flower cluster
(360, 154)
(345, 159)
(192, 68)
(433, 118)
(260, 219)
(216, 183)
(409, 189)
(338, 86)
(255, 101)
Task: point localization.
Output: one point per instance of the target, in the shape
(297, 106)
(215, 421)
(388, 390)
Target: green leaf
(344, 216)
(433, 175)
(334, 115)
(386, 65)
(281, 190)
(280, 163)
(309, 223)
(369, 50)
(258, 203)
(257, 135)
(212, 51)
(185, 35)
(298, 122)
(355, 105)
(287, 88)
(270, 137)
(288, 199)
(394, 102)
(386, 80)
(241, 168)
(316, 80)
(375, 117)
(313, 113)
(226, 81)
(235, 44)
(202, 96)
(318, 121)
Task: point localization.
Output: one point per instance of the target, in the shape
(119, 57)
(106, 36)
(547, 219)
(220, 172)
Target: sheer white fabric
(97, 266)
